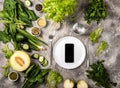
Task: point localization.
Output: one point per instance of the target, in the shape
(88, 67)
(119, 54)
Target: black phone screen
(69, 53)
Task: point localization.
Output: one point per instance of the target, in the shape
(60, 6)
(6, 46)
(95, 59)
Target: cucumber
(25, 47)
(41, 59)
(27, 3)
(35, 56)
(33, 71)
(45, 63)
(29, 70)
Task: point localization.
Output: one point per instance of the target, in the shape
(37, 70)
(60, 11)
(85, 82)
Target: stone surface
(111, 35)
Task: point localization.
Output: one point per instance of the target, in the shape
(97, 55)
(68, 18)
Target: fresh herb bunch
(99, 74)
(96, 11)
(57, 10)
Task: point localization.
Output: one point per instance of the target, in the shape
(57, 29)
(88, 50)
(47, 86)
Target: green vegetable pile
(53, 79)
(4, 37)
(96, 11)
(95, 35)
(34, 75)
(57, 10)
(16, 17)
(101, 47)
(99, 74)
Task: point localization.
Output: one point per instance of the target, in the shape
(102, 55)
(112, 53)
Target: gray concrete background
(111, 35)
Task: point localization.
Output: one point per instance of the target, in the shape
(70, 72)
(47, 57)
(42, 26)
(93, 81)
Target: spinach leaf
(4, 37)
(9, 5)
(12, 29)
(31, 15)
(4, 15)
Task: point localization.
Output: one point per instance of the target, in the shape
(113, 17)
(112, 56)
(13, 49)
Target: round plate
(59, 52)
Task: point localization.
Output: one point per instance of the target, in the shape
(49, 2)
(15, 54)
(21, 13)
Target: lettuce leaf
(57, 10)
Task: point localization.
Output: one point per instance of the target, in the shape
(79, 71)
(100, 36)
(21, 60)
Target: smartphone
(69, 53)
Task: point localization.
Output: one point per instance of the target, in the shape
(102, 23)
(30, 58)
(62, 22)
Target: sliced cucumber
(28, 3)
(26, 47)
(41, 59)
(45, 63)
(35, 56)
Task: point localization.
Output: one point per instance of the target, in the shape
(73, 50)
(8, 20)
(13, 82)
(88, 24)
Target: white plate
(59, 52)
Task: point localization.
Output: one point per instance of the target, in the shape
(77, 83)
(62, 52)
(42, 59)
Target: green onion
(30, 37)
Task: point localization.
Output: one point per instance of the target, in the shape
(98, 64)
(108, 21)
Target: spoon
(51, 36)
(54, 27)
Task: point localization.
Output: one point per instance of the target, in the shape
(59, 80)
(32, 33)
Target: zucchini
(41, 59)
(35, 56)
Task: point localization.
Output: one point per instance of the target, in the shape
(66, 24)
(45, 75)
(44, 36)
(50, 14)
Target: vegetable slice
(35, 56)
(41, 59)
(26, 47)
(45, 63)
(27, 3)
